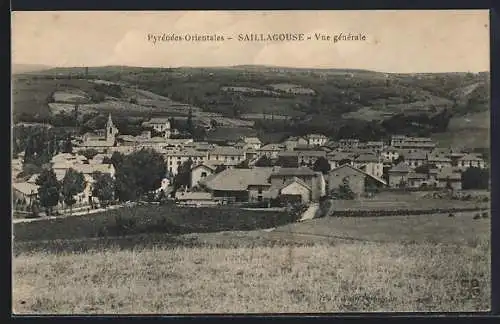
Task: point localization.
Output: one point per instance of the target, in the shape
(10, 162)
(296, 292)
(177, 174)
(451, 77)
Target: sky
(396, 41)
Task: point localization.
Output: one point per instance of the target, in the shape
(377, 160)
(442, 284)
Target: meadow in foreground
(330, 277)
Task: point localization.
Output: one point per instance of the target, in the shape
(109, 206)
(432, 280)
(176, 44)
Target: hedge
(400, 212)
(152, 219)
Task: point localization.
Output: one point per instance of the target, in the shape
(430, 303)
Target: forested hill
(316, 97)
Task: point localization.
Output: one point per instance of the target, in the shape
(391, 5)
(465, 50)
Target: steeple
(110, 121)
(111, 130)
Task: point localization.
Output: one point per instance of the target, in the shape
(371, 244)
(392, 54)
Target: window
(232, 158)
(203, 174)
(259, 191)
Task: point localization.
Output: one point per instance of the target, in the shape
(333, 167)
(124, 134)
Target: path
(77, 213)
(310, 212)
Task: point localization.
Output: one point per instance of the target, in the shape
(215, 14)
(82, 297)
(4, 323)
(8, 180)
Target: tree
(73, 183)
(288, 162)
(103, 188)
(190, 126)
(183, 176)
(89, 153)
(264, 161)
(400, 159)
(117, 159)
(243, 164)
(343, 191)
(322, 165)
(68, 146)
(475, 178)
(139, 173)
(219, 168)
(49, 190)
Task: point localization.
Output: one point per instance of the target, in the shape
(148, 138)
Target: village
(299, 170)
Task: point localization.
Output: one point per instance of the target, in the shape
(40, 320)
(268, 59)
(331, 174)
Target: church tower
(111, 130)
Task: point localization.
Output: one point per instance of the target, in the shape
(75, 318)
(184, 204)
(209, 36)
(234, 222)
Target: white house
(271, 150)
(175, 158)
(316, 139)
(161, 125)
(293, 189)
(370, 164)
(253, 142)
(227, 155)
(389, 153)
(470, 160)
(200, 172)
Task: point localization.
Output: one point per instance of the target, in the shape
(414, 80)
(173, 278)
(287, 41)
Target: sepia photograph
(239, 162)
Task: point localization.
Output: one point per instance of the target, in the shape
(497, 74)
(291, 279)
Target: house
(397, 140)
(227, 155)
(335, 159)
(469, 161)
(316, 139)
(176, 158)
(293, 190)
(417, 180)
(370, 164)
(240, 185)
(25, 192)
(439, 161)
(449, 177)
(313, 179)
(201, 171)
(288, 159)
(419, 143)
(348, 144)
(160, 125)
(389, 153)
(292, 142)
(398, 175)
(271, 150)
(376, 146)
(253, 142)
(358, 180)
(416, 159)
(310, 157)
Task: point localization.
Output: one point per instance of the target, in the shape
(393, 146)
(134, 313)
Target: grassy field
(408, 263)
(469, 131)
(338, 278)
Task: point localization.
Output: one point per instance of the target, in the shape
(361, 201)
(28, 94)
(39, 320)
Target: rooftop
(402, 167)
(226, 150)
(302, 171)
(238, 179)
(25, 188)
(159, 120)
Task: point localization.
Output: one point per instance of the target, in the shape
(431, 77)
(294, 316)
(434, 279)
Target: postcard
(223, 162)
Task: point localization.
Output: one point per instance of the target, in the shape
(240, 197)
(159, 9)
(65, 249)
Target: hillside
(256, 93)
(27, 68)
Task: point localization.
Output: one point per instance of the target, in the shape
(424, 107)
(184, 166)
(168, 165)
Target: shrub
(477, 216)
(485, 215)
(451, 215)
